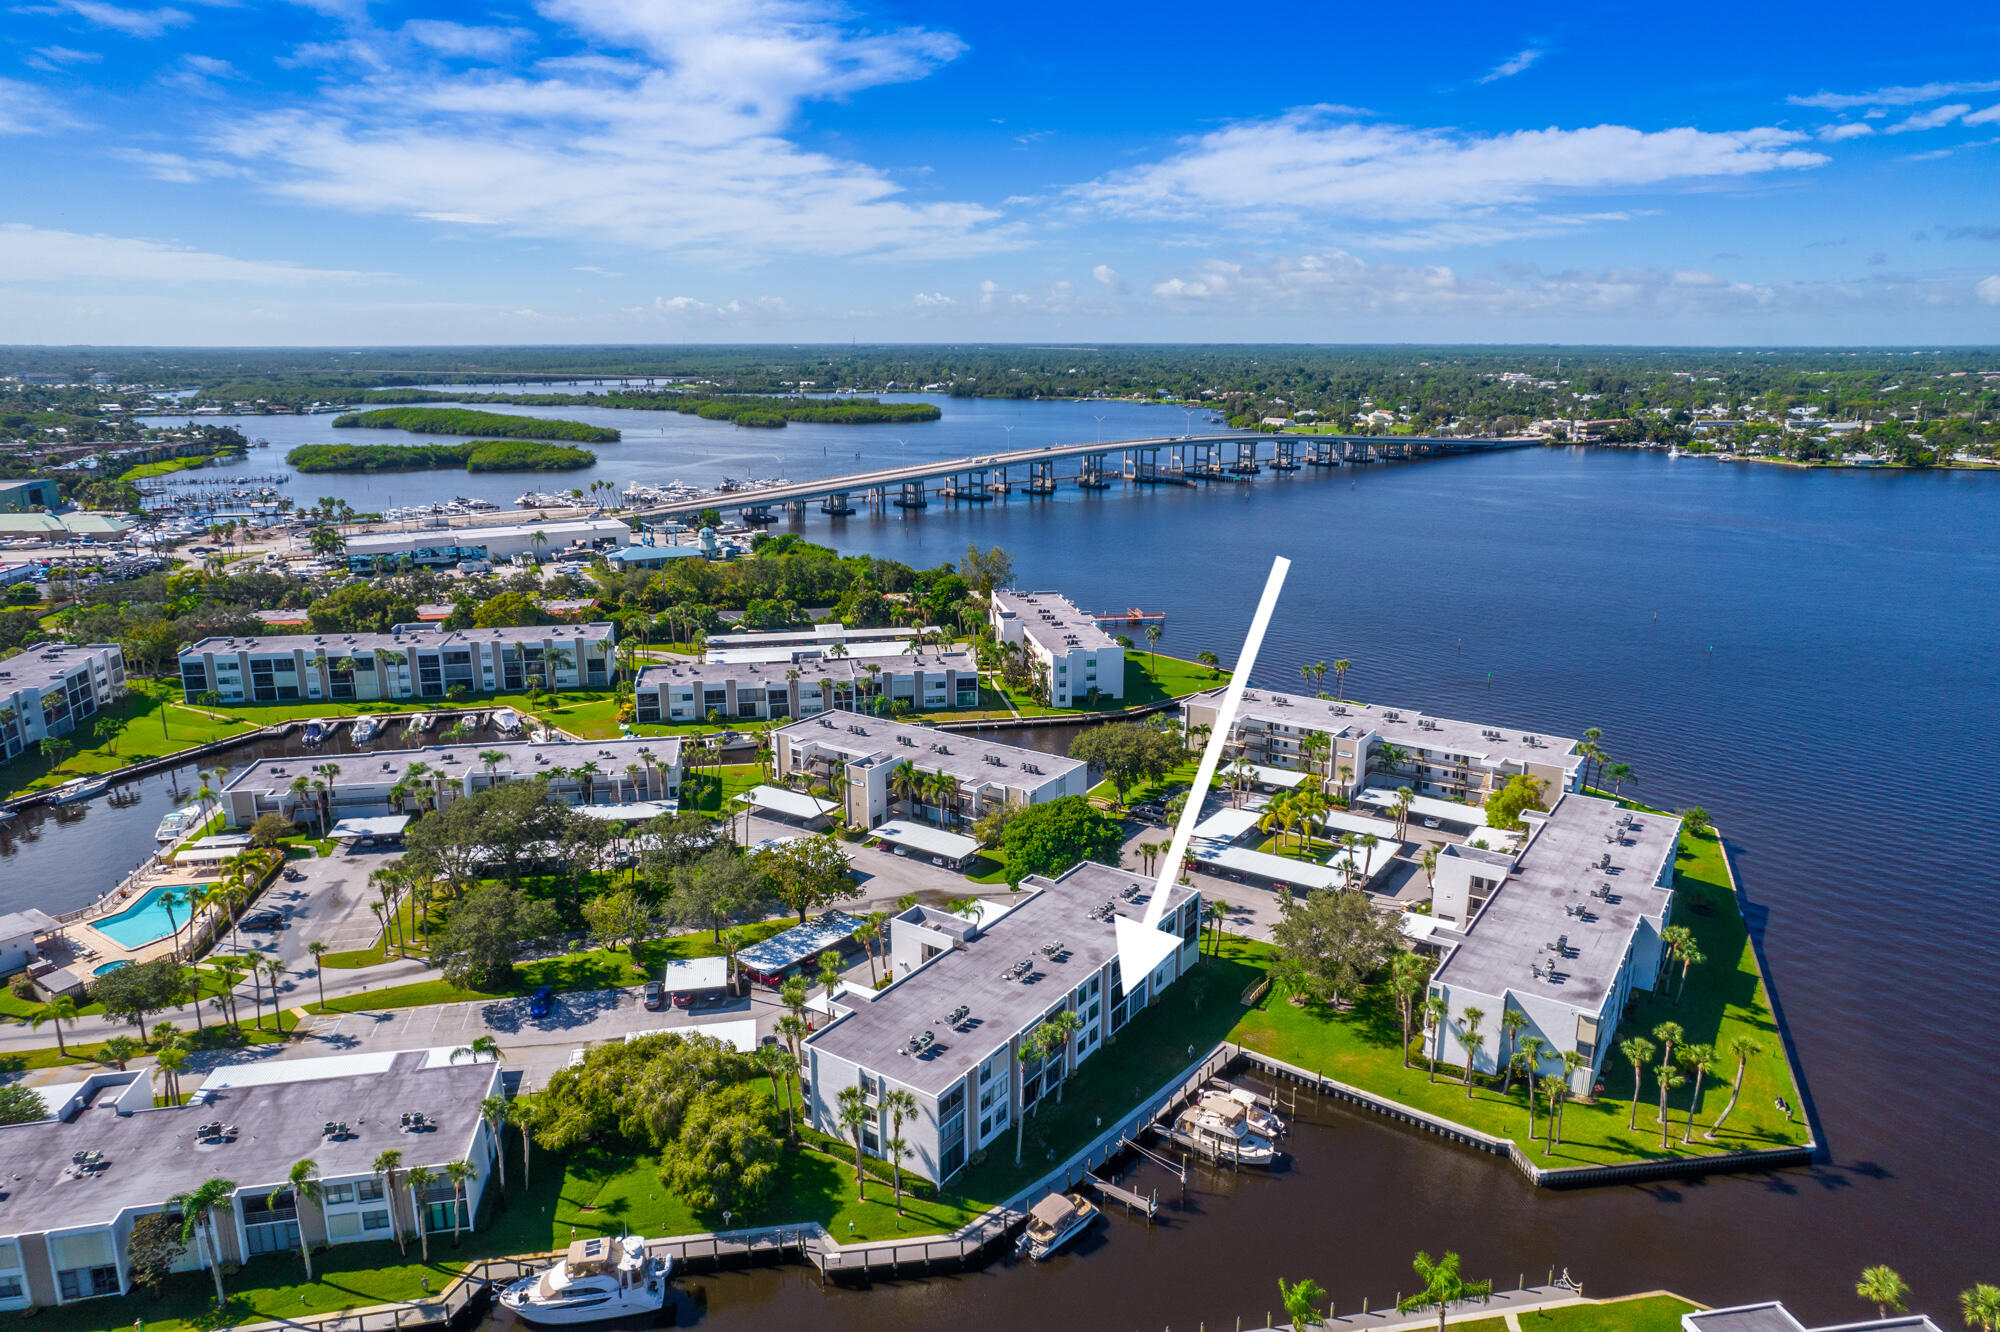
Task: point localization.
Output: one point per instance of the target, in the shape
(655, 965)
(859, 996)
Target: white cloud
(935, 300)
(1106, 276)
(458, 39)
(57, 57)
(1851, 130)
(26, 109)
(685, 149)
(1906, 95)
(1307, 165)
(1987, 117)
(177, 168)
(592, 268)
(688, 307)
(131, 22)
(33, 254)
(1934, 118)
(1989, 289)
(1516, 64)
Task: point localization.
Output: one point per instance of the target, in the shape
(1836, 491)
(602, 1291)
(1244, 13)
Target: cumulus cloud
(26, 109)
(1934, 118)
(1851, 130)
(33, 254)
(1513, 65)
(1308, 164)
(935, 300)
(1107, 277)
(1905, 95)
(681, 146)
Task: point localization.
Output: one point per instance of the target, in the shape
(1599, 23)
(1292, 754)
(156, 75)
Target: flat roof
(629, 811)
(879, 1026)
(1228, 823)
(697, 973)
(46, 664)
(1340, 821)
(1405, 727)
(878, 650)
(1428, 807)
(869, 740)
(379, 825)
(799, 942)
(811, 670)
(1269, 776)
(819, 633)
(797, 804)
(1772, 1317)
(1557, 869)
(521, 759)
(152, 1154)
(401, 638)
(25, 923)
(1053, 621)
(922, 837)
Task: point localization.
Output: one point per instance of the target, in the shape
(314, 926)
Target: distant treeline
(487, 455)
(743, 409)
(450, 421)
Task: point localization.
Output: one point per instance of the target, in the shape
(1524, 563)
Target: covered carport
(952, 850)
(1448, 812)
(378, 828)
(783, 805)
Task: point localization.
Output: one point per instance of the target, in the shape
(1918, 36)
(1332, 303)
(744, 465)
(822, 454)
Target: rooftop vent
(1604, 861)
(1602, 892)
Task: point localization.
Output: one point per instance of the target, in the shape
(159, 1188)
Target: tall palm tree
(1698, 1060)
(274, 971)
(197, 1208)
(1063, 1025)
(1742, 1049)
(386, 1165)
(1669, 1078)
(900, 1106)
(420, 1178)
(1340, 670)
(303, 1183)
(1435, 1010)
(1882, 1287)
(1443, 1286)
(496, 1110)
(1512, 1023)
(318, 948)
(1404, 797)
(58, 1010)
(1407, 977)
(1639, 1051)
(1469, 1037)
(856, 1114)
(458, 1172)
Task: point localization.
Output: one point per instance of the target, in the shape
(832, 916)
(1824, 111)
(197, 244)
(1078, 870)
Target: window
(10, 1288)
(375, 1220)
(335, 1194)
(82, 1283)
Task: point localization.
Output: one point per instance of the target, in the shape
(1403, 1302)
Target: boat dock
(851, 1263)
(1130, 615)
(1148, 1203)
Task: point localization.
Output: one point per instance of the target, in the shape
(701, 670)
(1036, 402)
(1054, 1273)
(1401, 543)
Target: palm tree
(1443, 1286)
(420, 1178)
(1669, 1078)
(318, 949)
(900, 1105)
(1153, 632)
(1407, 977)
(1340, 670)
(1468, 1036)
(1301, 1300)
(274, 971)
(1435, 1011)
(1883, 1288)
(496, 1111)
(1690, 957)
(1697, 1060)
(855, 1114)
(1639, 1051)
(1512, 1023)
(906, 783)
(458, 1172)
(1981, 1305)
(120, 1050)
(1063, 1025)
(1528, 1058)
(386, 1166)
(1217, 911)
(58, 1010)
(829, 972)
(304, 1183)
(481, 1047)
(169, 900)
(1742, 1049)
(1404, 796)
(1210, 660)
(197, 1209)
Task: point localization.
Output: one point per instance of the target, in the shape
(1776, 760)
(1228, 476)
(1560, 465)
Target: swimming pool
(112, 966)
(146, 919)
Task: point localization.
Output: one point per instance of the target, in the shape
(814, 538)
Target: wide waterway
(1809, 655)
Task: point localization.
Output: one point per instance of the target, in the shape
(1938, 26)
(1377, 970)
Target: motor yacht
(83, 788)
(365, 728)
(1218, 1127)
(597, 1279)
(1257, 1109)
(177, 823)
(1054, 1222)
(507, 721)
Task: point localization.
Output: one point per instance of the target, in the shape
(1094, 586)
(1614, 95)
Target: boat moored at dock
(597, 1279)
(1054, 1222)
(1218, 1127)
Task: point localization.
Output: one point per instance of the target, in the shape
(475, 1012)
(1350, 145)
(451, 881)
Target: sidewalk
(1509, 1304)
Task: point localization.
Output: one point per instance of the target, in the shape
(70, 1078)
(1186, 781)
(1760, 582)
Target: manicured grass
(1179, 779)
(133, 733)
(989, 866)
(414, 935)
(714, 790)
(1645, 1313)
(164, 467)
(1156, 677)
(596, 719)
(1724, 997)
(598, 969)
(90, 1055)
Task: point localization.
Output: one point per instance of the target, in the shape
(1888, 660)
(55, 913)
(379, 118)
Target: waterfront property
(691, 691)
(603, 774)
(1076, 661)
(857, 757)
(1773, 1316)
(1368, 744)
(969, 991)
(79, 1180)
(434, 548)
(1564, 932)
(819, 640)
(45, 690)
(411, 661)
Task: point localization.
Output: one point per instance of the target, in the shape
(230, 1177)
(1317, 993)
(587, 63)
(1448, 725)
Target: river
(1809, 655)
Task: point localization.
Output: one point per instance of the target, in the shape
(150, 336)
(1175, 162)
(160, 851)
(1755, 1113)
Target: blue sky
(338, 171)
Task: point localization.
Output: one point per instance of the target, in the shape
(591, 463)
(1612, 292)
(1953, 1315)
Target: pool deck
(90, 948)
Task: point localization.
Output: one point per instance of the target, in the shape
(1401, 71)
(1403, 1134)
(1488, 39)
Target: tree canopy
(1049, 838)
(1331, 943)
(1128, 753)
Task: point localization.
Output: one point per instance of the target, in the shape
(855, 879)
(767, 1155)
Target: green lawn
(598, 969)
(1644, 1313)
(1149, 678)
(1724, 997)
(595, 719)
(147, 723)
(413, 934)
(213, 1036)
(714, 790)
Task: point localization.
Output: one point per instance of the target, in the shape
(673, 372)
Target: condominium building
(1773, 1316)
(618, 773)
(45, 690)
(410, 661)
(764, 690)
(818, 640)
(1069, 650)
(78, 1181)
(436, 547)
(857, 757)
(1367, 744)
(1563, 931)
(949, 1031)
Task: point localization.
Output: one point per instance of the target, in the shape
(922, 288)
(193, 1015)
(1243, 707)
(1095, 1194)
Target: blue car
(541, 1002)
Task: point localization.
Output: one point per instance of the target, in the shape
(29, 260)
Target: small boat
(1054, 1222)
(507, 721)
(177, 823)
(597, 1279)
(83, 788)
(1218, 1127)
(365, 728)
(1263, 1119)
(316, 733)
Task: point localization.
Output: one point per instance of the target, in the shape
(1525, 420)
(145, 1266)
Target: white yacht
(1257, 1109)
(1218, 1127)
(507, 721)
(83, 788)
(177, 823)
(1054, 1222)
(365, 728)
(596, 1279)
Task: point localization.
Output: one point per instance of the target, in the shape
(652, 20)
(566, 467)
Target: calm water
(1811, 656)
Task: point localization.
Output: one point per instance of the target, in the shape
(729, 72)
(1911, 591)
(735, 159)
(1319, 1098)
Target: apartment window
(335, 1194)
(82, 1283)
(369, 1190)
(375, 1220)
(10, 1288)
(951, 1102)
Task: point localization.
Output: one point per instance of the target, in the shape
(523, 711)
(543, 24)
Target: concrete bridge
(1181, 460)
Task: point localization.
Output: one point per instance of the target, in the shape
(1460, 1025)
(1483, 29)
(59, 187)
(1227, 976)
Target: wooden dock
(1133, 1200)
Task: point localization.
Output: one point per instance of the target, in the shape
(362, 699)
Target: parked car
(263, 920)
(542, 1002)
(656, 995)
(1430, 823)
